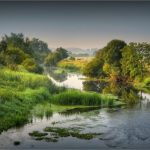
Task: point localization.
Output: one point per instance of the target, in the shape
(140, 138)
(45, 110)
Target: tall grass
(76, 97)
(19, 92)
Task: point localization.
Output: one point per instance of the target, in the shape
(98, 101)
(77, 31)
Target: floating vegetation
(66, 132)
(56, 132)
(38, 134)
(48, 139)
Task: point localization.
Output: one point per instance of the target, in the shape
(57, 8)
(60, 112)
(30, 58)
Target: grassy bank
(20, 91)
(76, 97)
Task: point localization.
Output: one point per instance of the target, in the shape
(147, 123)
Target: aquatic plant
(38, 134)
(76, 97)
(57, 132)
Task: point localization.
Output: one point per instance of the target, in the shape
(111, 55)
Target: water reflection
(78, 110)
(59, 76)
(42, 111)
(124, 91)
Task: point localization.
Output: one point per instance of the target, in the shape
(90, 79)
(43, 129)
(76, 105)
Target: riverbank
(20, 91)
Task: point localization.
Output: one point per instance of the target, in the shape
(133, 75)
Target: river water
(127, 127)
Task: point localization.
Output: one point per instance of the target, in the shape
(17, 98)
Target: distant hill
(80, 52)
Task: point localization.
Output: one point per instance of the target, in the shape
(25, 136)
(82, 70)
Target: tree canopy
(53, 58)
(16, 50)
(117, 60)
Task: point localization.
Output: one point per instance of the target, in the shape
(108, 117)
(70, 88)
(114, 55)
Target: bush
(31, 65)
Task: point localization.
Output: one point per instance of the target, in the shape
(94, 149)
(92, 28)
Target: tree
(31, 66)
(53, 58)
(93, 68)
(15, 49)
(63, 53)
(131, 62)
(113, 52)
(107, 60)
(3, 46)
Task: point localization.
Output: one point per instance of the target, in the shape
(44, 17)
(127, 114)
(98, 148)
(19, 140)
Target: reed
(76, 97)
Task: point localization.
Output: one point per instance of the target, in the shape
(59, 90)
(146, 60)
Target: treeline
(16, 50)
(31, 54)
(53, 58)
(120, 61)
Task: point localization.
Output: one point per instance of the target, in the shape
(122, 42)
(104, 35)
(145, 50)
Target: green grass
(19, 92)
(76, 97)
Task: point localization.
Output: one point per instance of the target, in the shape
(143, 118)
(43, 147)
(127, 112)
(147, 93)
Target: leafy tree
(53, 58)
(106, 61)
(63, 53)
(93, 68)
(3, 46)
(131, 66)
(15, 49)
(31, 66)
(113, 52)
(15, 55)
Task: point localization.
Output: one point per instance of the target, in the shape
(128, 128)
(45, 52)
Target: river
(127, 127)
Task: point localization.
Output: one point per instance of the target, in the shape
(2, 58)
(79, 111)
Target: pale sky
(77, 24)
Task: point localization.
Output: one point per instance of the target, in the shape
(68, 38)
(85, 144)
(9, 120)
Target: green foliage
(133, 61)
(147, 81)
(19, 92)
(112, 52)
(66, 132)
(71, 58)
(38, 134)
(53, 58)
(31, 65)
(39, 49)
(75, 97)
(120, 61)
(110, 55)
(94, 68)
(16, 49)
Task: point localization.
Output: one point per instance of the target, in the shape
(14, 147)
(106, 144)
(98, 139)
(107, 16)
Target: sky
(77, 24)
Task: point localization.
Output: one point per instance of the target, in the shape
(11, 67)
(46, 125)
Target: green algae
(37, 134)
(64, 132)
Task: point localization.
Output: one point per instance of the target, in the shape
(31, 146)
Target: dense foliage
(53, 58)
(17, 50)
(15, 103)
(75, 97)
(119, 61)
